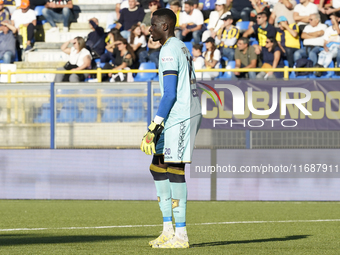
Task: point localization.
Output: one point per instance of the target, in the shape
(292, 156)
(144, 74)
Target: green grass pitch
(242, 227)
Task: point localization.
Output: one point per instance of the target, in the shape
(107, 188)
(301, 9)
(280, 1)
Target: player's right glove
(151, 137)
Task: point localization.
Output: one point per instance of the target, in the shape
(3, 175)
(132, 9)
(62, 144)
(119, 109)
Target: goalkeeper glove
(151, 137)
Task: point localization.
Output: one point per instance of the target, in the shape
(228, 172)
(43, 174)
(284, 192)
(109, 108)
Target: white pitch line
(158, 225)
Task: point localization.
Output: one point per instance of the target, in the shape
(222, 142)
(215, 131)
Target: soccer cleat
(165, 236)
(174, 242)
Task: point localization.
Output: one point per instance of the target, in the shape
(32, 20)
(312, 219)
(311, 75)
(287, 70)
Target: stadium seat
(328, 23)
(242, 25)
(112, 26)
(228, 75)
(38, 10)
(146, 76)
(325, 75)
(45, 115)
(88, 114)
(189, 46)
(69, 112)
(113, 110)
(285, 62)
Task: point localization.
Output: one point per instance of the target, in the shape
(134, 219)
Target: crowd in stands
(278, 33)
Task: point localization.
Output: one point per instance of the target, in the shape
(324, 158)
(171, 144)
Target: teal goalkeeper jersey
(175, 59)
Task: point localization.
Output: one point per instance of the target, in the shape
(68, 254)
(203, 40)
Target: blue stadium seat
(146, 76)
(189, 46)
(325, 75)
(88, 114)
(45, 115)
(69, 112)
(113, 110)
(228, 75)
(38, 10)
(242, 25)
(328, 23)
(112, 26)
(285, 62)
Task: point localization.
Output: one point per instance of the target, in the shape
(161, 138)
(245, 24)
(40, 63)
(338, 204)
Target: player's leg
(158, 170)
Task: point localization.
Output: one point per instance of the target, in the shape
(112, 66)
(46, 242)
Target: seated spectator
(137, 41)
(245, 57)
(313, 39)
(288, 39)
(212, 57)
(334, 8)
(80, 59)
(113, 36)
(7, 42)
(145, 4)
(241, 10)
(152, 54)
(282, 8)
(271, 58)
(60, 12)
(206, 7)
(124, 59)
(301, 13)
(113, 17)
(4, 12)
(128, 17)
(198, 60)
(262, 31)
(331, 45)
(227, 37)
(215, 21)
(95, 42)
(146, 23)
(24, 20)
(322, 5)
(258, 7)
(191, 23)
(35, 3)
(175, 6)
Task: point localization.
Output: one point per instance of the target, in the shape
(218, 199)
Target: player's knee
(176, 175)
(158, 173)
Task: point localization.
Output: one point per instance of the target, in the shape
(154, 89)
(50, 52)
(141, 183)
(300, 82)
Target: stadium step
(46, 56)
(39, 65)
(75, 26)
(55, 37)
(35, 77)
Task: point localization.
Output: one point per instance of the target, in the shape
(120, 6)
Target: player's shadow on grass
(20, 239)
(279, 239)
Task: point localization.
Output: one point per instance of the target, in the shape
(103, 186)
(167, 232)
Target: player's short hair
(198, 47)
(189, 2)
(176, 3)
(167, 14)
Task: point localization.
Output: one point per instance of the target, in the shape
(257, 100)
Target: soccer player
(171, 135)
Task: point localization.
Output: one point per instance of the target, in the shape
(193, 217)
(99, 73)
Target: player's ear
(165, 26)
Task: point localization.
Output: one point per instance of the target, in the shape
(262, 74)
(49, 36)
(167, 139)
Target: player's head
(162, 24)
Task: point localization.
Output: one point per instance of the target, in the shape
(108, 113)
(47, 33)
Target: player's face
(156, 29)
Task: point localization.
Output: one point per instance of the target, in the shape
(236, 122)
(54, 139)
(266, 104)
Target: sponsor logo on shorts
(167, 151)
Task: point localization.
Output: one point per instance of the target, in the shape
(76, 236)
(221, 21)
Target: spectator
(113, 36)
(206, 7)
(313, 39)
(215, 21)
(242, 9)
(145, 4)
(60, 12)
(227, 37)
(146, 23)
(245, 57)
(262, 31)
(288, 39)
(212, 57)
(322, 5)
(282, 8)
(7, 42)
(80, 59)
(124, 59)
(137, 40)
(113, 17)
(258, 7)
(4, 12)
(24, 20)
(301, 13)
(335, 8)
(152, 54)
(331, 45)
(271, 57)
(35, 3)
(95, 42)
(128, 17)
(191, 23)
(175, 6)
(199, 62)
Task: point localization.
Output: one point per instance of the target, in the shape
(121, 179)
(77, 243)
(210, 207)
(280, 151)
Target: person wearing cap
(7, 42)
(227, 37)
(245, 57)
(60, 12)
(24, 20)
(282, 8)
(191, 22)
(262, 31)
(313, 39)
(212, 57)
(330, 46)
(4, 12)
(302, 11)
(215, 22)
(288, 38)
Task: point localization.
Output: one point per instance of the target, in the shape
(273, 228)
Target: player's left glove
(151, 137)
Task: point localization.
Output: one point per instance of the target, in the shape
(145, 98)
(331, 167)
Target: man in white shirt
(313, 39)
(302, 11)
(191, 23)
(282, 8)
(24, 20)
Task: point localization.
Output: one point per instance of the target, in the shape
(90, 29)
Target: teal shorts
(177, 142)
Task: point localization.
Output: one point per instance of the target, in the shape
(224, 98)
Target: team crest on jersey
(168, 59)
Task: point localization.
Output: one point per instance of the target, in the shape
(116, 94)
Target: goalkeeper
(172, 133)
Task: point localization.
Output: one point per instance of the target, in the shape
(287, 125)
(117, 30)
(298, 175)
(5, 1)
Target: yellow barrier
(99, 71)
